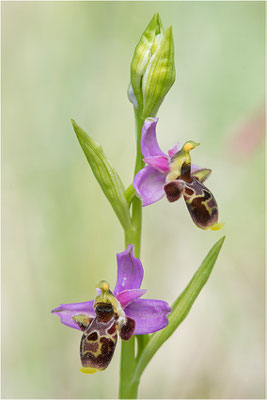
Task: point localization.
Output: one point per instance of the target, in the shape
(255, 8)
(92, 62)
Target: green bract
(105, 174)
(152, 68)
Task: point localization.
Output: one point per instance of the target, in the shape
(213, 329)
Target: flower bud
(152, 68)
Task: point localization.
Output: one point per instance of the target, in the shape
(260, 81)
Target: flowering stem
(128, 389)
(137, 205)
(128, 364)
(139, 120)
(142, 341)
(133, 232)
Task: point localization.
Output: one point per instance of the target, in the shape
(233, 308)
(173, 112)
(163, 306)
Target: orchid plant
(142, 324)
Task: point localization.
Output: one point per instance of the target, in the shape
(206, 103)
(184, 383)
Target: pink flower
(173, 175)
(121, 310)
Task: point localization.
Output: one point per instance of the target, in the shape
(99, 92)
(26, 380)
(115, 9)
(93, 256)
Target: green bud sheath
(152, 68)
(159, 76)
(146, 47)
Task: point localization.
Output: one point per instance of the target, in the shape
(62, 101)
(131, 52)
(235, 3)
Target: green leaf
(180, 308)
(105, 174)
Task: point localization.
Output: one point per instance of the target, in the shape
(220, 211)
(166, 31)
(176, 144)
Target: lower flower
(111, 313)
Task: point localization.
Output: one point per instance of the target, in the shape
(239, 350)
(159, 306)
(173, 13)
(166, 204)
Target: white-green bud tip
(152, 68)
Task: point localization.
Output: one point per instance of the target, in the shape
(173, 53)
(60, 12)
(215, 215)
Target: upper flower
(121, 310)
(174, 176)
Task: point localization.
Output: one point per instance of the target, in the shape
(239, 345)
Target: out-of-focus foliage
(72, 60)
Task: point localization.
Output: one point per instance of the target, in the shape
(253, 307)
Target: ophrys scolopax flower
(121, 311)
(173, 175)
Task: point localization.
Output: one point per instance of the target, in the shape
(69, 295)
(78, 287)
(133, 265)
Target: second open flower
(121, 311)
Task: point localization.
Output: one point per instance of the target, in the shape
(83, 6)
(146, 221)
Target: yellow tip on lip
(88, 370)
(217, 226)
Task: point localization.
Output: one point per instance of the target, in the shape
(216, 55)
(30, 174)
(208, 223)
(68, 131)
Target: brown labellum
(199, 200)
(201, 203)
(99, 339)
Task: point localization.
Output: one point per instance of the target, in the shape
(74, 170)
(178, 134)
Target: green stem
(137, 205)
(128, 389)
(128, 364)
(142, 341)
(139, 163)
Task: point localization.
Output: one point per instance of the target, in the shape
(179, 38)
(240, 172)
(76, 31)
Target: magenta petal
(66, 311)
(148, 184)
(174, 150)
(161, 163)
(127, 296)
(149, 315)
(149, 144)
(130, 271)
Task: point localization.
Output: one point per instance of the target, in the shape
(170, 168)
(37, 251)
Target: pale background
(60, 236)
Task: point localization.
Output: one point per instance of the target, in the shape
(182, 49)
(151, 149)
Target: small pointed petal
(148, 184)
(149, 315)
(127, 296)
(201, 174)
(174, 150)
(149, 144)
(130, 271)
(158, 162)
(67, 311)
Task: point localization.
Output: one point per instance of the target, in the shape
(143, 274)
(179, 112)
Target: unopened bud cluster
(152, 68)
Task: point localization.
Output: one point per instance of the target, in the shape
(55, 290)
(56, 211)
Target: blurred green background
(63, 60)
